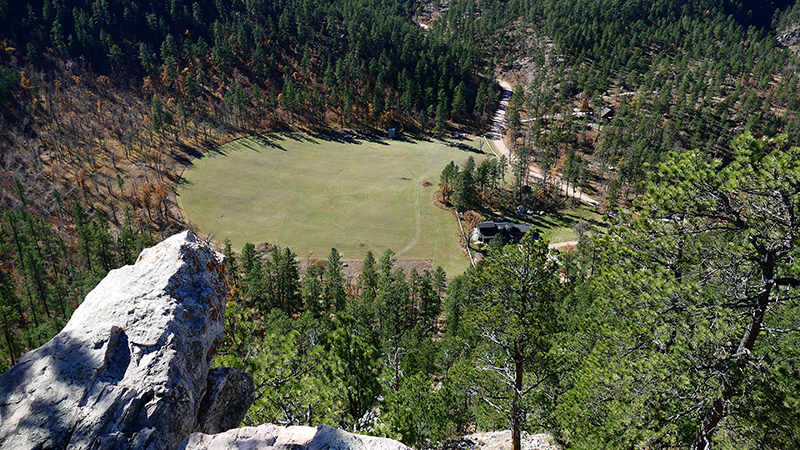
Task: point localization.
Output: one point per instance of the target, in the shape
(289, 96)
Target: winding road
(495, 136)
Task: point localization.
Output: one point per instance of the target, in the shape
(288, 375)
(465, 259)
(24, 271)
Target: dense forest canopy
(680, 75)
(346, 52)
(676, 329)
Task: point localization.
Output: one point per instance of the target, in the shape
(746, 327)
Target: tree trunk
(516, 406)
(703, 439)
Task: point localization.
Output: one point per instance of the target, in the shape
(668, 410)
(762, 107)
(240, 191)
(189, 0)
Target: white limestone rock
(129, 369)
(274, 437)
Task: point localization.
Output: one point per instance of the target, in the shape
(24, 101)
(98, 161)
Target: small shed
(607, 113)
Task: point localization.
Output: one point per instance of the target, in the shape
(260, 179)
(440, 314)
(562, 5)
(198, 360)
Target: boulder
(273, 437)
(130, 368)
(499, 440)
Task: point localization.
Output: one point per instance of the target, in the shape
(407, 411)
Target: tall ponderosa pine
(10, 318)
(696, 298)
(311, 287)
(355, 369)
(333, 293)
(430, 303)
(282, 281)
(368, 279)
(515, 312)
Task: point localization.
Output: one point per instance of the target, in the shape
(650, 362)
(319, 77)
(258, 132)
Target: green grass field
(311, 193)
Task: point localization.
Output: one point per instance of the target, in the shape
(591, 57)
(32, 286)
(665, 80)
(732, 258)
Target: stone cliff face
(131, 368)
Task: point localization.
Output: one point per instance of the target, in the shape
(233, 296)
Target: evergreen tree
(333, 292)
(515, 314)
(430, 303)
(10, 319)
(460, 100)
(282, 281)
(441, 119)
(368, 279)
(144, 59)
(464, 186)
(312, 290)
(355, 369)
(687, 294)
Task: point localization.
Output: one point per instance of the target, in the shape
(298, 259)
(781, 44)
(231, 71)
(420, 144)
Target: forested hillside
(104, 103)
(678, 75)
(676, 329)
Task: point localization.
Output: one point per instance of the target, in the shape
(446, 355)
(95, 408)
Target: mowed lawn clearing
(311, 193)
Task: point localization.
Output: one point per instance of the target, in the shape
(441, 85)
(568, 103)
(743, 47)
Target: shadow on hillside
(318, 137)
(335, 137)
(283, 135)
(249, 145)
(377, 140)
(212, 148)
(186, 155)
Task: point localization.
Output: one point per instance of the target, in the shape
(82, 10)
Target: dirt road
(495, 136)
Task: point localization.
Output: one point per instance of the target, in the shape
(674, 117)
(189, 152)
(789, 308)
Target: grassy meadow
(314, 192)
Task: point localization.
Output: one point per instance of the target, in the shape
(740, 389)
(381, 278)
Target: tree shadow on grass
(266, 140)
(249, 145)
(212, 148)
(346, 138)
(182, 182)
(463, 147)
(377, 140)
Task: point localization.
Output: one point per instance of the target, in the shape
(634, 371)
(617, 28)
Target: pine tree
(312, 290)
(460, 100)
(281, 278)
(515, 315)
(685, 298)
(368, 279)
(430, 303)
(333, 292)
(355, 369)
(441, 119)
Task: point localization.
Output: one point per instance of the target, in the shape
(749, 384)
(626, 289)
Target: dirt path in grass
(564, 244)
(418, 222)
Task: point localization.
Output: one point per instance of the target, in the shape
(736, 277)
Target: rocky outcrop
(790, 37)
(499, 440)
(273, 437)
(230, 393)
(131, 368)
